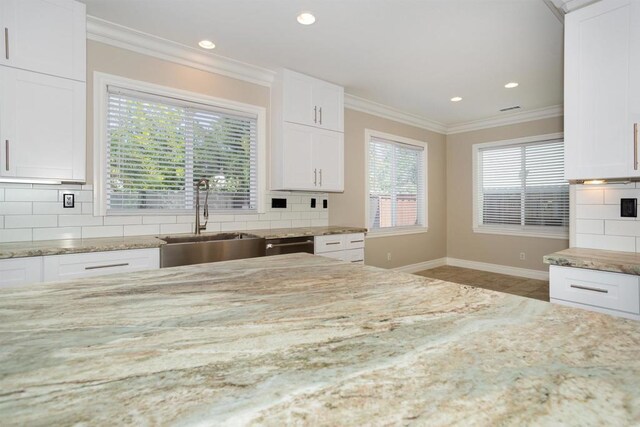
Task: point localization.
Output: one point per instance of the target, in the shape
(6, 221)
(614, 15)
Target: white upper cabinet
(602, 91)
(42, 126)
(46, 36)
(312, 102)
(307, 140)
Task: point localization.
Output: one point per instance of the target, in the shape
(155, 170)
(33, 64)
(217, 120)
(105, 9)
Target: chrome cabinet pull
(332, 243)
(320, 115)
(357, 260)
(6, 42)
(635, 146)
(279, 245)
(6, 154)
(320, 177)
(357, 241)
(124, 264)
(315, 177)
(315, 114)
(587, 288)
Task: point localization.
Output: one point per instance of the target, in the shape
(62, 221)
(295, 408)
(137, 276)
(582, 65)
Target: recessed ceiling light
(511, 85)
(306, 18)
(456, 99)
(206, 44)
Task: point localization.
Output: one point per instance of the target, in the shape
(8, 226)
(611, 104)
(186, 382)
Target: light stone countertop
(73, 246)
(305, 340)
(596, 259)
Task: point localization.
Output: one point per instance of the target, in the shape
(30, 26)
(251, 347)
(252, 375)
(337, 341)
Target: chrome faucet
(200, 228)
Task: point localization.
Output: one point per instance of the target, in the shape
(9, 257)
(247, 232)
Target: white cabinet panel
(64, 267)
(329, 101)
(297, 153)
(298, 99)
(602, 93)
(328, 159)
(42, 126)
(330, 243)
(47, 36)
(20, 271)
(345, 247)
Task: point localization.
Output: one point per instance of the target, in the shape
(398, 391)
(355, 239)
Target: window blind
(158, 147)
(522, 186)
(396, 184)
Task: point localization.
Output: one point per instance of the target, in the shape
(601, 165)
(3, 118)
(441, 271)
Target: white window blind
(158, 147)
(396, 184)
(522, 187)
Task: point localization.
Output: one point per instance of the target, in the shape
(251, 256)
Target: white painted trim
(403, 231)
(100, 83)
(506, 231)
(497, 268)
(571, 5)
(370, 107)
(368, 134)
(426, 265)
(507, 119)
(127, 38)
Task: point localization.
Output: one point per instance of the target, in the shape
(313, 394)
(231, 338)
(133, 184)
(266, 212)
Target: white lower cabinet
(611, 293)
(345, 247)
(64, 267)
(20, 271)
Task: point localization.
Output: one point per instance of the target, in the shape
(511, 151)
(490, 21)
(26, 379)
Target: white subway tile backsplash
(590, 197)
(30, 221)
(57, 233)
(590, 226)
(613, 196)
(609, 243)
(35, 212)
(622, 228)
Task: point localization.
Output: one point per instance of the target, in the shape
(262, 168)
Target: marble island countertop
(305, 340)
(596, 259)
(72, 246)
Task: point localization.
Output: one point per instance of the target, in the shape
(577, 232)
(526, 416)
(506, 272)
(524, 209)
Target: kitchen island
(302, 339)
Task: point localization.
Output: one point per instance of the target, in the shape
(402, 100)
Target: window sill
(563, 235)
(373, 234)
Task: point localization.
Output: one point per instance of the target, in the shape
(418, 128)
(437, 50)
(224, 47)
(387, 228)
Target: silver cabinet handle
(315, 114)
(6, 42)
(320, 115)
(332, 243)
(124, 264)
(320, 177)
(279, 245)
(357, 260)
(587, 288)
(357, 241)
(635, 146)
(6, 154)
(315, 177)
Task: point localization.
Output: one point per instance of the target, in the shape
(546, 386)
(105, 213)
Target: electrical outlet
(68, 200)
(522, 256)
(388, 256)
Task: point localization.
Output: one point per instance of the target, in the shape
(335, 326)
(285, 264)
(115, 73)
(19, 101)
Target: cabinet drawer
(330, 243)
(354, 241)
(613, 291)
(355, 256)
(61, 267)
(20, 271)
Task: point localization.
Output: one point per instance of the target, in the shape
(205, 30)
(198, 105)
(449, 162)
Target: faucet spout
(199, 228)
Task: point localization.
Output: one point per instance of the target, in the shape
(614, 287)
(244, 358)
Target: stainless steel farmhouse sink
(198, 248)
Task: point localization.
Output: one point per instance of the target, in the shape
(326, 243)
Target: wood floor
(538, 289)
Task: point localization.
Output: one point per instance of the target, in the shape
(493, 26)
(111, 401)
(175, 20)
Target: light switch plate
(68, 200)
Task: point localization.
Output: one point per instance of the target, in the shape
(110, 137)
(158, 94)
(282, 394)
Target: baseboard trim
(497, 268)
(475, 265)
(425, 265)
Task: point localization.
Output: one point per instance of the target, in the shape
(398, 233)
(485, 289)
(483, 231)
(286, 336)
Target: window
(396, 198)
(520, 188)
(159, 143)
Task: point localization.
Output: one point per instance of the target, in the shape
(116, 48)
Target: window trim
(395, 231)
(100, 101)
(534, 231)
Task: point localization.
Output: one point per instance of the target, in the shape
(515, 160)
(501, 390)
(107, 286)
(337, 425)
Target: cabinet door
(297, 152)
(298, 99)
(329, 100)
(328, 158)
(599, 130)
(20, 271)
(47, 36)
(42, 126)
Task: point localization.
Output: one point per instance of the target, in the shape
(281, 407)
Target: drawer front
(20, 271)
(61, 267)
(354, 241)
(330, 243)
(355, 256)
(335, 255)
(613, 291)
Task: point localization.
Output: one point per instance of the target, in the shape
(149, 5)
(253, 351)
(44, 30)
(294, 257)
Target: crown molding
(510, 119)
(127, 38)
(570, 5)
(364, 105)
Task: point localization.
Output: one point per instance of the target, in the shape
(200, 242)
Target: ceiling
(411, 55)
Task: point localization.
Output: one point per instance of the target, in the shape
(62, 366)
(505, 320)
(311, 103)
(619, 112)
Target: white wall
(598, 224)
